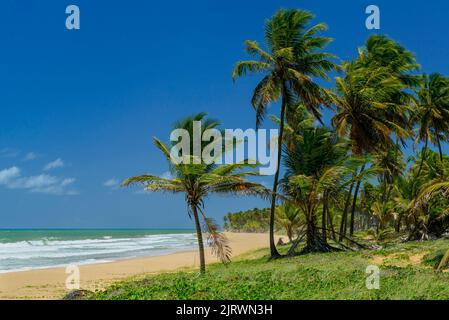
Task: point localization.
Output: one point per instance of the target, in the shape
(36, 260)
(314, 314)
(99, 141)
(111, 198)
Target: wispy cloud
(8, 153)
(30, 156)
(58, 163)
(13, 179)
(112, 183)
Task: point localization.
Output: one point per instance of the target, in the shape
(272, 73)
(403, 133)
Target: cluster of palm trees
(380, 102)
(344, 177)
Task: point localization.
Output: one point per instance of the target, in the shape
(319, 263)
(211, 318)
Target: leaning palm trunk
(354, 203)
(324, 217)
(199, 235)
(440, 151)
(345, 214)
(423, 156)
(273, 251)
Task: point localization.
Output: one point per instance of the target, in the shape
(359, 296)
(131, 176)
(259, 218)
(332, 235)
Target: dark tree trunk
(398, 224)
(273, 251)
(440, 151)
(331, 224)
(314, 239)
(354, 203)
(199, 235)
(324, 217)
(345, 214)
(311, 234)
(423, 156)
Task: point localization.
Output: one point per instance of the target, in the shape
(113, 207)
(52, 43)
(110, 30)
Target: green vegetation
(254, 220)
(343, 182)
(337, 275)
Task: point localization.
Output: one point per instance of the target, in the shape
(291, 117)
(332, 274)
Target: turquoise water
(25, 249)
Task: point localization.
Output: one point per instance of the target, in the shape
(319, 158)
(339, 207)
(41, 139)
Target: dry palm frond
(218, 242)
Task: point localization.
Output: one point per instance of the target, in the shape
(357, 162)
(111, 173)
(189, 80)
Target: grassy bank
(406, 273)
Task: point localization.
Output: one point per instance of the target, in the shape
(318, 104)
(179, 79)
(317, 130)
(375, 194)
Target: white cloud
(6, 175)
(30, 156)
(112, 183)
(44, 183)
(58, 163)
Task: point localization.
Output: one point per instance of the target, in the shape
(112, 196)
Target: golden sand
(50, 283)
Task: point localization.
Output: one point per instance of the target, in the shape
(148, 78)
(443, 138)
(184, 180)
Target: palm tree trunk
(331, 224)
(423, 156)
(439, 149)
(354, 203)
(199, 235)
(345, 214)
(398, 224)
(324, 216)
(273, 250)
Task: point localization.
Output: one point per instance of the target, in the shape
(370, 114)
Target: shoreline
(49, 283)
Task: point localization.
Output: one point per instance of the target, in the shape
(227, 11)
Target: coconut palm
(315, 167)
(289, 217)
(365, 112)
(372, 101)
(292, 57)
(432, 114)
(299, 120)
(197, 182)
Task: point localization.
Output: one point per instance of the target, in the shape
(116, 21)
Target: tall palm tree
(293, 57)
(373, 101)
(432, 114)
(362, 101)
(197, 182)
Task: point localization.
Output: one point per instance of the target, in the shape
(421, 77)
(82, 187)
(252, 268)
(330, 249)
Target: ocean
(27, 249)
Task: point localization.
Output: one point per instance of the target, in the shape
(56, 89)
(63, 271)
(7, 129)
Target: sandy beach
(50, 283)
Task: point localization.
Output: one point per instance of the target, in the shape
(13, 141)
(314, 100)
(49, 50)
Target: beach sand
(50, 283)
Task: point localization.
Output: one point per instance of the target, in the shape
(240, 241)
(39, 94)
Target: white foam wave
(48, 252)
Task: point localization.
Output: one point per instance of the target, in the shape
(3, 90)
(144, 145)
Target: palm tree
(299, 120)
(197, 182)
(292, 58)
(315, 167)
(432, 115)
(288, 216)
(372, 101)
(361, 99)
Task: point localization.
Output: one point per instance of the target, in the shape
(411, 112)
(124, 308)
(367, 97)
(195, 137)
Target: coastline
(50, 283)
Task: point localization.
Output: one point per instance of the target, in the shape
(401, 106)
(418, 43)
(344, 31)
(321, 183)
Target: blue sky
(79, 108)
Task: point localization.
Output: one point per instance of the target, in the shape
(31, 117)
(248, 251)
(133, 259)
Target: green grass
(406, 273)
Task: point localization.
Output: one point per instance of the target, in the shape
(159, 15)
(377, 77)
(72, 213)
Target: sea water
(45, 248)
